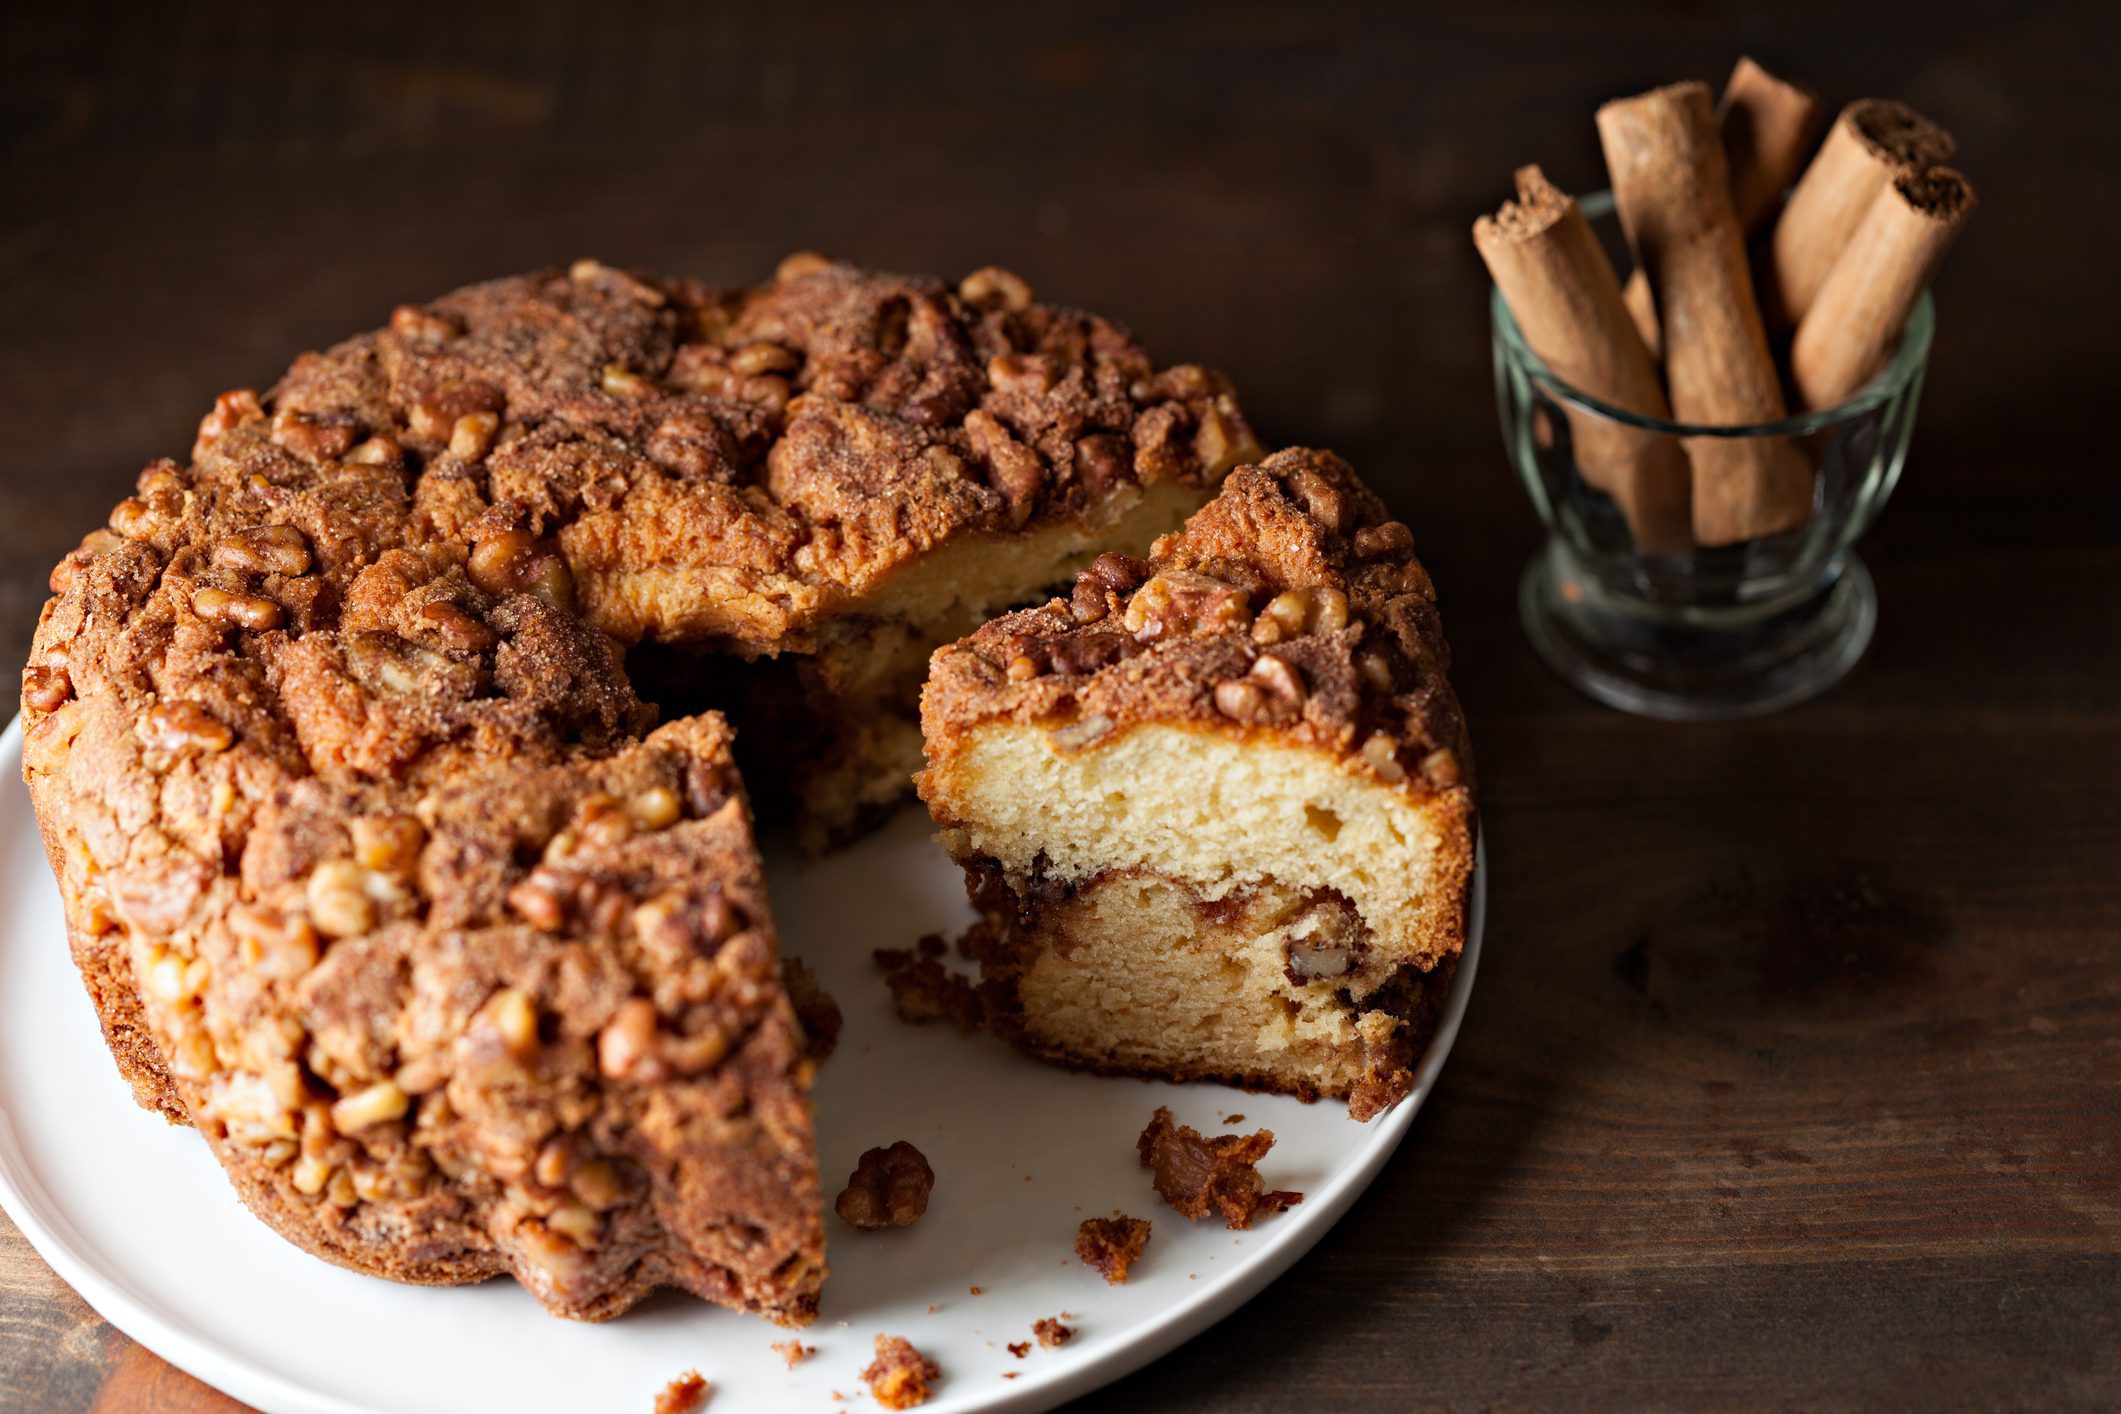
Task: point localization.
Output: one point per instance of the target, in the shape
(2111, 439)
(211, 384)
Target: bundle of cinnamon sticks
(1731, 261)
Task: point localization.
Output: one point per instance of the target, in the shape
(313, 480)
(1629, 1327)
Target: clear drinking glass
(1710, 632)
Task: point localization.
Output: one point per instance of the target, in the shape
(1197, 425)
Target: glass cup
(1712, 631)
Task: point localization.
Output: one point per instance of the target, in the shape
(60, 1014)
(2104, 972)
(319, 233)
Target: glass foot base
(1695, 666)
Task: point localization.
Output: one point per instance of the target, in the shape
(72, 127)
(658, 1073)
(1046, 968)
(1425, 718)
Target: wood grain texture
(1791, 1077)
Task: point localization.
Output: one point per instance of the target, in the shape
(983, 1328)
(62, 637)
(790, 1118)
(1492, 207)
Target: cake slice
(1216, 807)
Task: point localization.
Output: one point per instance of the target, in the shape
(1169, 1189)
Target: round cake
(344, 738)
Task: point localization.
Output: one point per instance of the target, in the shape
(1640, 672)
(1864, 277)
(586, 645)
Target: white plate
(137, 1216)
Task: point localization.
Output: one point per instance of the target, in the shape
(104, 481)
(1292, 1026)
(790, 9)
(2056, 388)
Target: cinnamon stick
(1853, 324)
(1566, 300)
(1642, 308)
(1872, 142)
(1671, 187)
(1767, 125)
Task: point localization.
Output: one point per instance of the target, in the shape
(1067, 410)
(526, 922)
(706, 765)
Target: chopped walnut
(1051, 1333)
(687, 1394)
(1381, 754)
(1389, 538)
(1324, 942)
(1270, 694)
(924, 990)
(249, 611)
(793, 1351)
(1319, 497)
(1112, 1245)
(1117, 573)
(901, 1377)
(1315, 609)
(264, 549)
(1197, 1175)
(46, 689)
(992, 286)
(888, 1188)
(1180, 602)
(177, 727)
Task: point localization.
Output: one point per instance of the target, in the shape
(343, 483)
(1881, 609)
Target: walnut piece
(1051, 1333)
(1272, 693)
(1389, 538)
(1112, 1245)
(900, 1377)
(1182, 603)
(1197, 1175)
(888, 1188)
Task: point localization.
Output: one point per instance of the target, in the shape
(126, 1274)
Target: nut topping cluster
(888, 1188)
(1198, 1176)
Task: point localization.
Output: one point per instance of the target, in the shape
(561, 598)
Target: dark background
(1794, 1071)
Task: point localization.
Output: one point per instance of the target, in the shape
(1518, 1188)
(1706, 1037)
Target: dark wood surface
(1794, 1072)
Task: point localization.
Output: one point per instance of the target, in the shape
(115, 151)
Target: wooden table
(1794, 1072)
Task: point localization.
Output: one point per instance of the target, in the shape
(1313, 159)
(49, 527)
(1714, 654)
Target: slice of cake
(1216, 807)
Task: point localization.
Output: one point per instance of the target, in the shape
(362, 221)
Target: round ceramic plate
(137, 1216)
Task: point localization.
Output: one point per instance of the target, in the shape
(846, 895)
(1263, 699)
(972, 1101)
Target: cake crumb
(933, 1308)
(793, 1351)
(977, 1290)
(888, 1188)
(1112, 1245)
(900, 1377)
(922, 989)
(932, 945)
(1051, 1333)
(1009, 1374)
(687, 1394)
(1019, 1348)
(1233, 1119)
(1197, 1175)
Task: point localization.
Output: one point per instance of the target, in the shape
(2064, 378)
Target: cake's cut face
(375, 863)
(1215, 807)
(839, 469)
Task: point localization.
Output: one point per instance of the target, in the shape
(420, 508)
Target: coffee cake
(377, 867)
(1216, 806)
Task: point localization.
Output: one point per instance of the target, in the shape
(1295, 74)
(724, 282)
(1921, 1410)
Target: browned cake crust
(1289, 611)
(1298, 524)
(373, 866)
